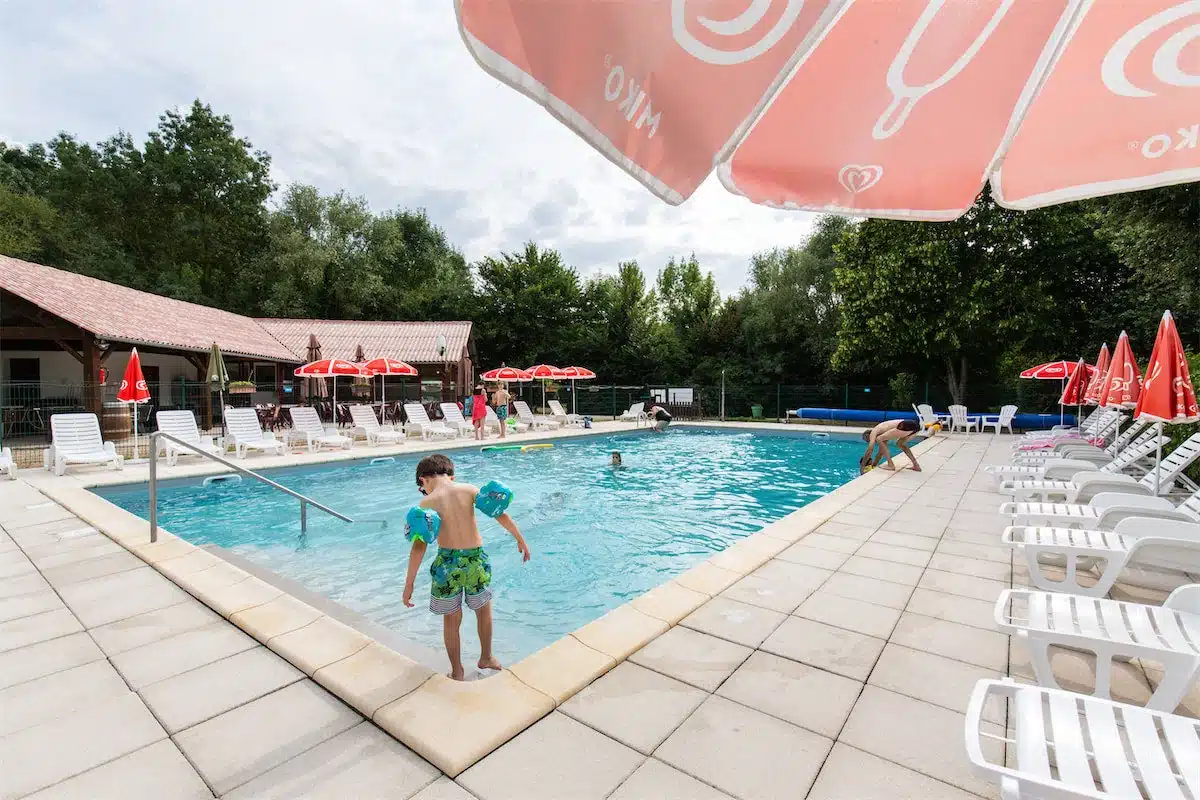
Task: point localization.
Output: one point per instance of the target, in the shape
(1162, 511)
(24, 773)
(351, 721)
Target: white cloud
(377, 97)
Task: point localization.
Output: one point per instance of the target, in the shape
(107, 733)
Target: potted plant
(241, 387)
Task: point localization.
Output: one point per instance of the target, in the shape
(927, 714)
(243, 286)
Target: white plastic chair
(1074, 746)
(77, 440)
(453, 418)
(493, 420)
(182, 425)
(7, 465)
(1004, 420)
(419, 423)
(636, 413)
(560, 415)
(524, 414)
(307, 425)
(364, 420)
(960, 420)
(244, 433)
(1167, 635)
(1070, 481)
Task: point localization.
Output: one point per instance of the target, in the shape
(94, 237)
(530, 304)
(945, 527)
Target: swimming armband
(494, 498)
(422, 523)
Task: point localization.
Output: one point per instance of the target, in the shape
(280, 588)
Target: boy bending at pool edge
(898, 431)
(446, 516)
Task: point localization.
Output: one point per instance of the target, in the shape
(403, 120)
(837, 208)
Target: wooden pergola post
(92, 359)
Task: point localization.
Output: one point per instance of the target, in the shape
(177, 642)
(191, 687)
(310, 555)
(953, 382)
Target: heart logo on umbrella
(856, 178)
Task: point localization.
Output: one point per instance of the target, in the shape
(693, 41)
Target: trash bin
(756, 411)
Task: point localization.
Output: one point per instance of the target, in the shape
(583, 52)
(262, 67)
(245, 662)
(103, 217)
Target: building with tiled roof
(62, 329)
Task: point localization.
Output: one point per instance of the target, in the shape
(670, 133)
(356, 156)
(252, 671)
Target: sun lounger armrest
(1185, 599)
(110, 448)
(1064, 469)
(1116, 506)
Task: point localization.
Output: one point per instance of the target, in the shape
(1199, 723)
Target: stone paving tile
(181, 653)
(833, 649)
(883, 570)
(934, 679)
(844, 530)
(737, 622)
(806, 696)
(915, 527)
(824, 542)
(812, 556)
(982, 552)
(556, 757)
(57, 694)
(852, 774)
(152, 626)
(113, 597)
(37, 628)
(109, 564)
(693, 657)
(778, 585)
(442, 789)
(61, 748)
(897, 555)
(634, 705)
(46, 658)
(362, 762)
(962, 585)
(155, 772)
(964, 610)
(242, 744)
(72, 551)
(744, 752)
(844, 612)
(983, 648)
(920, 736)
(26, 605)
(656, 780)
(190, 698)
(892, 595)
(885, 536)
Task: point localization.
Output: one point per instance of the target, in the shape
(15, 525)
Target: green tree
(27, 225)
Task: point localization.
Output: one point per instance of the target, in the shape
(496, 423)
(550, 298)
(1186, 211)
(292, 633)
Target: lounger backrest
(305, 419)
(1097, 425)
(1138, 428)
(416, 413)
(1007, 413)
(1172, 465)
(522, 408)
(452, 412)
(180, 424)
(76, 433)
(364, 417)
(1191, 507)
(1138, 449)
(243, 424)
(491, 415)
(636, 408)
(557, 409)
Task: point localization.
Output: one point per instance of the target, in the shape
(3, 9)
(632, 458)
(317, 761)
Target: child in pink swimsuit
(479, 406)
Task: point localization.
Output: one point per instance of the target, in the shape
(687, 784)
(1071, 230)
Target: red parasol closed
(134, 391)
(1123, 384)
(1076, 388)
(1092, 397)
(1168, 394)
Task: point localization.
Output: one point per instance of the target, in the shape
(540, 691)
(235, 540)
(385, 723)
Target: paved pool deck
(829, 656)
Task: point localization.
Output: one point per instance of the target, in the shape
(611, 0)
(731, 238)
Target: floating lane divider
(222, 479)
(527, 447)
(382, 460)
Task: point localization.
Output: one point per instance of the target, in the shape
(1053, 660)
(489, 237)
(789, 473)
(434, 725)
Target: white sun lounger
(77, 440)
(453, 418)
(7, 465)
(1145, 550)
(1074, 746)
(1071, 481)
(182, 425)
(245, 434)
(527, 416)
(420, 424)
(1104, 428)
(560, 415)
(636, 413)
(1167, 635)
(1077, 449)
(306, 425)
(1086, 426)
(364, 420)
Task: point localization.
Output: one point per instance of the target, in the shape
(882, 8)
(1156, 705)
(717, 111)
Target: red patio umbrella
(1167, 395)
(1123, 383)
(1092, 397)
(1076, 388)
(543, 373)
(577, 374)
(329, 368)
(1056, 371)
(890, 108)
(134, 391)
(387, 366)
(505, 374)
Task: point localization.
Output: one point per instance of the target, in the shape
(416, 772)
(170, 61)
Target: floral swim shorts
(457, 573)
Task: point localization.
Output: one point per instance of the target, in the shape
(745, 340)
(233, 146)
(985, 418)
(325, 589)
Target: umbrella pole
(133, 408)
(573, 396)
(1158, 461)
(1062, 387)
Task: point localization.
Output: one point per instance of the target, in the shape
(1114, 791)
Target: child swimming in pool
(461, 568)
(616, 459)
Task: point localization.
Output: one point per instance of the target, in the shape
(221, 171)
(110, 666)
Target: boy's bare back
(455, 504)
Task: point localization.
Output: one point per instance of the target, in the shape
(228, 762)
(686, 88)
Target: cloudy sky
(377, 97)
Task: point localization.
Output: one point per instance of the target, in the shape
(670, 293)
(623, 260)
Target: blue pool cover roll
(867, 417)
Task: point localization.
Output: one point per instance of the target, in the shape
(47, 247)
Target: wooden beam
(33, 332)
(91, 375)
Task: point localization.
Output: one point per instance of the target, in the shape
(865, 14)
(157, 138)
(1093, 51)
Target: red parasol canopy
(1123, 384)
(1168, 394)
(1055, 370)
(506, 374)
(388, 366)
(1092, 397)
(545, 372)
(578, 373)
(133, 385)
(329, 368)
(1074, 391)
(843, 106)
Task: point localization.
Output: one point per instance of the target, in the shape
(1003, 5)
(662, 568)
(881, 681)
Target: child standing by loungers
(479, 408)
(446, 516)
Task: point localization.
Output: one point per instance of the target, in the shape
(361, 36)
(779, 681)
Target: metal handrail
(305, 502)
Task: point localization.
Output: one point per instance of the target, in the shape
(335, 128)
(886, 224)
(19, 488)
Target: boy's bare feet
(456, 674)
(490, 663)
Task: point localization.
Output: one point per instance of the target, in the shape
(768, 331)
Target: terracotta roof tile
(413, 342)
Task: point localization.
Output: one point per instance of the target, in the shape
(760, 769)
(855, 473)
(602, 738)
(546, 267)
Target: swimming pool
(600, 536)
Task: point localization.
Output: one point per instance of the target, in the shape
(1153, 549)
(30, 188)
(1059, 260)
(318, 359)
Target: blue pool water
(600, 536)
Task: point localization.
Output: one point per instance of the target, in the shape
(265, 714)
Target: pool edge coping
(411, 701)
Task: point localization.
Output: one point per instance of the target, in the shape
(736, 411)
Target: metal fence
(26, 407)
